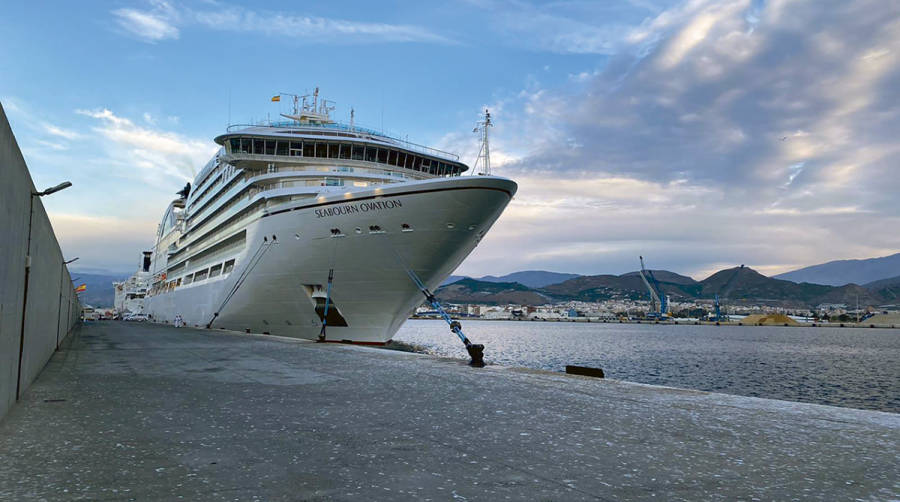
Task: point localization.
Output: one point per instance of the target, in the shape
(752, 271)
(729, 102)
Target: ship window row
(345, 151)
(202, 275)
(214, 228)
(200, 212)
(226, 178)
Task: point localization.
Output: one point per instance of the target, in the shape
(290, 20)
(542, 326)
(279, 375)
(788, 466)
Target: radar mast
(484, 155)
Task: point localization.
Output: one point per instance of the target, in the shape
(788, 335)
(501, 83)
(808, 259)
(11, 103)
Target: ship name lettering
(362, 207)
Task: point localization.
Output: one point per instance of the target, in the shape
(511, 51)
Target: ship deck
(134, 411)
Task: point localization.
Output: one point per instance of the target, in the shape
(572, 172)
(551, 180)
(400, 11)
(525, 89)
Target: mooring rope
(254, 260)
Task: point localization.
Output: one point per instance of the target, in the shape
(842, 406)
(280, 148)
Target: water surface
(851, 367)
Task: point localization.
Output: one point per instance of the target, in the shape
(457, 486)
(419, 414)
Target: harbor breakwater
(30, 331)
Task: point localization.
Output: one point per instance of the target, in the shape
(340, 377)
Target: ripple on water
(856, 368)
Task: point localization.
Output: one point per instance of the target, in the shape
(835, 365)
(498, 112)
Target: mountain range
(99, 292)
(530, 278)
(832, 282)
(840, 272)
(734, 285)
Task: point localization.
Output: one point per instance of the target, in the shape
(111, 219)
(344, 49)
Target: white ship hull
(372, 291)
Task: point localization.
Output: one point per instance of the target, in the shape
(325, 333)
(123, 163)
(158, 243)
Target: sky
(700, 134)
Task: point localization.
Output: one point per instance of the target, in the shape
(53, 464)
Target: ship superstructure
(130, 293)
(281, 207)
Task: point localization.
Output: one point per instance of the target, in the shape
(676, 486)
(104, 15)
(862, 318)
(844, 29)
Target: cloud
(599, 28)
(158, 23)
(162, 21)
(722, 132)
(60, 132)
(53, 146)
(160, 157)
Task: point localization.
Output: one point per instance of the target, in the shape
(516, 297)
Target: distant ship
(130, 293)
(308, 221)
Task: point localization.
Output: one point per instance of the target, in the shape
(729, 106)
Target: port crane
(659, 304)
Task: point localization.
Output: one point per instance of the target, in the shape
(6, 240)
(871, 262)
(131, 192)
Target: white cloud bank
(724, 132)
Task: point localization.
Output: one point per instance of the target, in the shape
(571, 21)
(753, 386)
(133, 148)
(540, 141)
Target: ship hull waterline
(428, 227)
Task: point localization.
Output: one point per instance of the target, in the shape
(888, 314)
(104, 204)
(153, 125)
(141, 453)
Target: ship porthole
(358, 230)
(471, 227)
(451, 226)
(297, 236)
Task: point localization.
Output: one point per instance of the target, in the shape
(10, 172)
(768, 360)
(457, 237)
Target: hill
(841, 272)
(747, 285)
(627, 286)
(99, 291)
(737, 285)
(495, 293)
(887, 289)
(531, 278)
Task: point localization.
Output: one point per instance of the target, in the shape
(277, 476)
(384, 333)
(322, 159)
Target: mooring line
(254, 260)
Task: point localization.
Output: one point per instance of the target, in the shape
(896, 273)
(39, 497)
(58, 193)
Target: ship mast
(484, 155)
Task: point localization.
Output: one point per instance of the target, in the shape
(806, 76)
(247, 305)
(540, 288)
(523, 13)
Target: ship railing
(361, 131)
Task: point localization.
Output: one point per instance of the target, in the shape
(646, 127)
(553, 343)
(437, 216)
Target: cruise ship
(130, 293)
(308, 222)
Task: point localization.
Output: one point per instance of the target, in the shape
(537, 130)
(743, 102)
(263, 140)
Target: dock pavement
(136, 411)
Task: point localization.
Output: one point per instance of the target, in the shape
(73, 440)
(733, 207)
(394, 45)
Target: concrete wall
(53, 309)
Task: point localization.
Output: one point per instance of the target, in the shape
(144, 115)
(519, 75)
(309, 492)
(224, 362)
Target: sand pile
(883, 320)
(768, 320)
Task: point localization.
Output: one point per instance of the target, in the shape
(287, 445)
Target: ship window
(178, 282)
(426, 165)
(321, 149)
(235, 144)
(188, 279)
(282, 148)
(201, 275)
(334, 182)
(358, 152)
(228, 267)
(309, 149)
(246, 145)
(334, 150)
(371, 153)
(215, 270)
(442, 168)
(392, 158)
(382, 155)
(296, 148)
(401, 159)
(259, 146)
(270, 147)
(409, 161)
(345, 151)
(360, 184)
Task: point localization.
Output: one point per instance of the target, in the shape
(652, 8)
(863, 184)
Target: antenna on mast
(352, 117)
(484, 155)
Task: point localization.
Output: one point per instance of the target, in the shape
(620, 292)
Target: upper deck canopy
(338, 141)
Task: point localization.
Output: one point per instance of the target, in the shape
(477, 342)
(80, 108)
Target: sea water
(851, 367)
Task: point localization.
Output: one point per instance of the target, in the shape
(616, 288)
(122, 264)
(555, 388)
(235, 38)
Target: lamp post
(51, 190)
(59, 310)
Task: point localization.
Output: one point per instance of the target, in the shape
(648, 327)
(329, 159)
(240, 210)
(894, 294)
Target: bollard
(585, 371)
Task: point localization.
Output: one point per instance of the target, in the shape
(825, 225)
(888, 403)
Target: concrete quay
(129, 411)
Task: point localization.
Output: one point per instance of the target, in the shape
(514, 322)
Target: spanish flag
(81, 288)
(276, 98)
